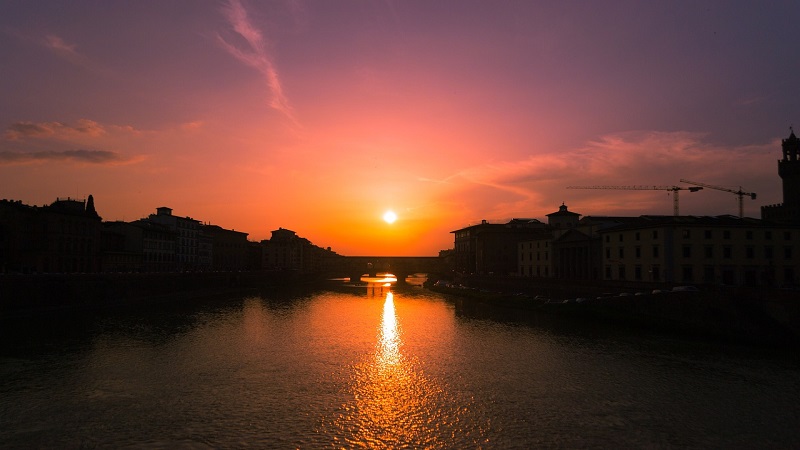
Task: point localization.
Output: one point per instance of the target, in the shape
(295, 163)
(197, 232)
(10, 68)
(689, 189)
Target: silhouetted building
(720, 250)
(285, 250)
(205, 250)
(139, 246)
(62, 237)
(571, 249)
(122, 247)
(562, 219)
(18, 243)
(229, 248)
(255, 256)
(187, 243)
(491, 248)
(789, 171)
(448, 258)
(537, 256)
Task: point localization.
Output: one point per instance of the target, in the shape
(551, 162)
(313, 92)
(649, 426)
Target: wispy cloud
(78, 156)
(42, 142)
(255, 53)
(63, 49)
(538, 183)
(69, 52)
(57, 130)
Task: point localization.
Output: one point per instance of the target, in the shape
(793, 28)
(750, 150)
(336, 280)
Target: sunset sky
(320, 116)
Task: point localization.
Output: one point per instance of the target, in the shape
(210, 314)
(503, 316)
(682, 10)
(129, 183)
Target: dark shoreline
(32, 294)
(708, 315)
(761, 317)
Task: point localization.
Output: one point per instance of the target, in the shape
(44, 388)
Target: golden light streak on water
(389, 341)
(394, 404)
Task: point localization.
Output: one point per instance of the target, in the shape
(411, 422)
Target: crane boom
(740, 193)
(673, 189)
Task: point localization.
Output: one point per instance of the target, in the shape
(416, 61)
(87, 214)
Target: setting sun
(389, 216)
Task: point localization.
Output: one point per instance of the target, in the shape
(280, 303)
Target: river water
(376, 367)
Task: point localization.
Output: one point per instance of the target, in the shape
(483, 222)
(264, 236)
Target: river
(378, 367)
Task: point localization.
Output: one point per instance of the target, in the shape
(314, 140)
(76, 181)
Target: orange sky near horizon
(320, 116)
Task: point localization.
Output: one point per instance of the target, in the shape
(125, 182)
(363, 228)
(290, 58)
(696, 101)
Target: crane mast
(673, 189)
(740, 193)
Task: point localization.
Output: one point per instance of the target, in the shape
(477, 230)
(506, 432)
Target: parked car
(685, 289)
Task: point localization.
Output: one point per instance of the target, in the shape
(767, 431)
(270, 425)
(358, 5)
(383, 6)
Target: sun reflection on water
(394, 405)
(389, 340)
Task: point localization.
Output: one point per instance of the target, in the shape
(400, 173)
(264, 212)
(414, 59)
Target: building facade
(570, 250)
(230, 248)
(492, 248)
(63, 237)
(187, 235)
(720, 250)
(789, 171)
(285, 250)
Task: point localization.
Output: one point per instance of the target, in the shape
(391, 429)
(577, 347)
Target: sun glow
(389, 216)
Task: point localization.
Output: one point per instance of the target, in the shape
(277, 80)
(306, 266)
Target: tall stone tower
(789, 171)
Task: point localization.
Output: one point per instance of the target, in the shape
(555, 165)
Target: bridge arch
(400, 266)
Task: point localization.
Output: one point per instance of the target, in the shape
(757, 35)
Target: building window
(687, 251)
(637, 273)
(726, 252)
(637, 236)
(787, 235)
(655, 251)
(621, 252)
(608, 272)
(768, 252)
(750, 252)
(656, 271)
(709, 251)
(788, 275)
(708, 234)
(726, 234)
(687, 273)
(621, 272)
(608, 239)
(708, 274)
(787, 252)
(687, 234)
(608, 253)
(620, 237)
(638, 252)
(748, 235)
(655, 234)
(768, 235)
(728, 277)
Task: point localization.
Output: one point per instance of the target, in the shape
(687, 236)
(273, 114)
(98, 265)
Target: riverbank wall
(744, 315)
(32, 293)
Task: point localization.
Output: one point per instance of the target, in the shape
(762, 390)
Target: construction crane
(673, 189)
(740, 193)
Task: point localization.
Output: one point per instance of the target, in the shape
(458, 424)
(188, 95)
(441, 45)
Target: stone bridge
(355, 267)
